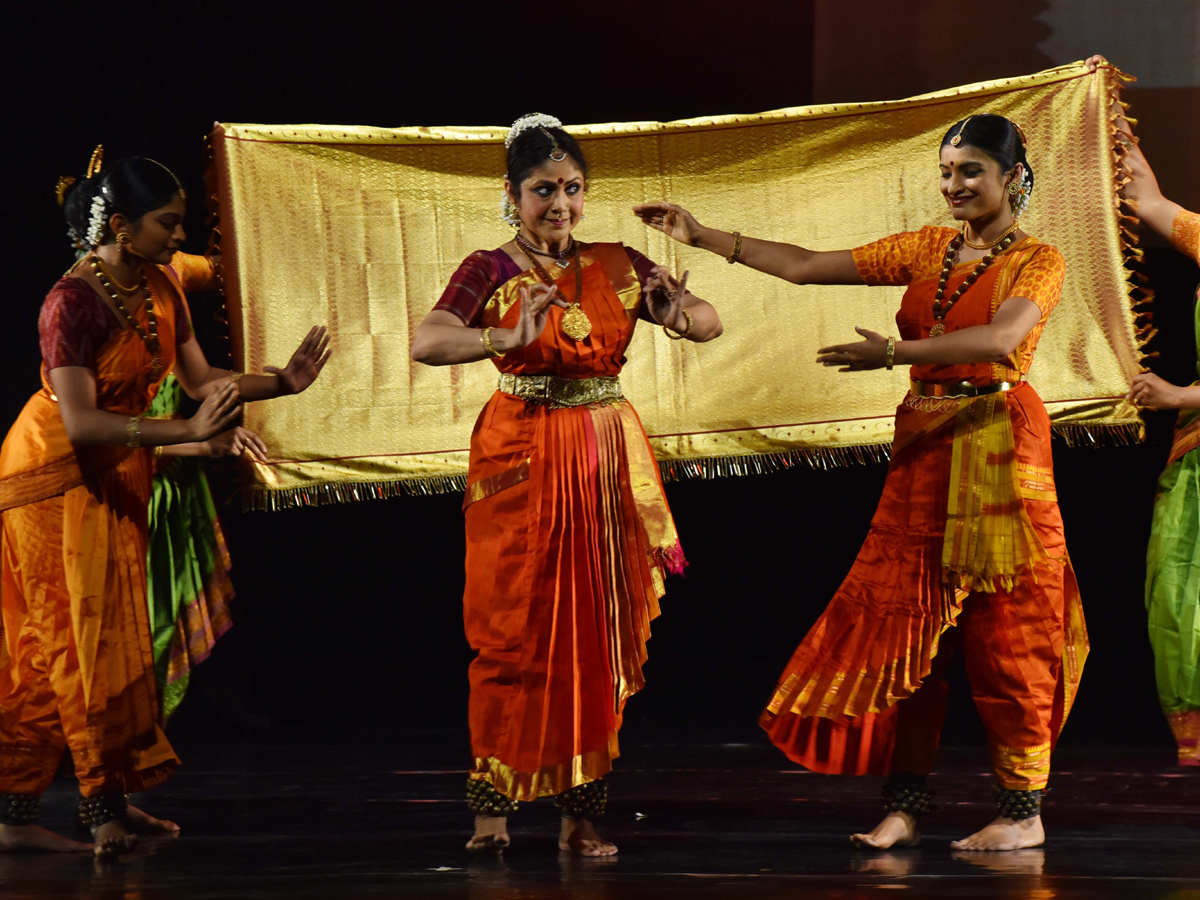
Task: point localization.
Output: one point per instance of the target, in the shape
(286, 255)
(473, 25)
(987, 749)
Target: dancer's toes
(898, 829)
(35, 837)
(141, 822)
(1005, 834)
(112, 839)
(579, 836)
(491, 835)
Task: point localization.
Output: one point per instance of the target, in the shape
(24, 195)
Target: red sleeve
(470, 288)
(644, 267)
(74, 324)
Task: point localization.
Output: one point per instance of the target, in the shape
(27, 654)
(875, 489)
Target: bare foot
(112, 839)
(35, 837)
(491, 835)
(898, 829)
(1005, 834)
(578, 836)
(141, 822)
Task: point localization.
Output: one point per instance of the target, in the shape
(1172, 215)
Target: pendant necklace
(940, 311)
(150, 338)
(575, 322)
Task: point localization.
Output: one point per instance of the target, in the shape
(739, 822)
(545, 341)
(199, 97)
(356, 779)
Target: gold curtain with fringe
(361, 228)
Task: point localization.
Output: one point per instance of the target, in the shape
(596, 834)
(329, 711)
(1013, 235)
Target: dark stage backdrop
(348, 620)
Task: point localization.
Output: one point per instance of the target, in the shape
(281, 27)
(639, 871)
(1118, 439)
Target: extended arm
(199, 379)
(787, 261)
(75, 388)
(994, 342)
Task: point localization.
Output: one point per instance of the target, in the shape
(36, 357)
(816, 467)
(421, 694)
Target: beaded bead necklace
(562, 259)
(940, 312)
(149, 339)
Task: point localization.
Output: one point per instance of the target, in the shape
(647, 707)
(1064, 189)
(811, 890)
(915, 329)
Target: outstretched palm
(306, 363)
(673, 221)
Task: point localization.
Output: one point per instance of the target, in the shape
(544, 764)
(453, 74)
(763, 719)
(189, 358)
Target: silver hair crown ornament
(526, 122)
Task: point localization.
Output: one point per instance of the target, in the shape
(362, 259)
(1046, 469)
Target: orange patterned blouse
(1027, 269)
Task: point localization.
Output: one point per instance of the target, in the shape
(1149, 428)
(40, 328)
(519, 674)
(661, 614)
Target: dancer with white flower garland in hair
(966, 548)
(568, 530)
(76, 661)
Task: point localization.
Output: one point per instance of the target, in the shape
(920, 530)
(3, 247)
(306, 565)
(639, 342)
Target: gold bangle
(235, 377)
(485, 337)
(890, 359)
(737, 248)
(158, 451)
(679, 336)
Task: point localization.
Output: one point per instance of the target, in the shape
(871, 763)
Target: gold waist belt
(555, 391)
(958, 391)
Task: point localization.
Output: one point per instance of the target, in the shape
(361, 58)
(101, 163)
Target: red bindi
(560, 181)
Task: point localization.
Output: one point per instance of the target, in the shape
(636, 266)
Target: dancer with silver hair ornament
(569, 535)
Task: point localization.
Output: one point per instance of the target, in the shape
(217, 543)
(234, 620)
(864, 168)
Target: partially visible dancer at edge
(568, 531)
(1173, 556)
(966, 548)
(76, 662)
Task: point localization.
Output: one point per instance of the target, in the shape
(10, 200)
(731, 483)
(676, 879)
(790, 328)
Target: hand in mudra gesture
(535, 309)
(664, 298)
(306, 363)
(869, 353)
(673, 221)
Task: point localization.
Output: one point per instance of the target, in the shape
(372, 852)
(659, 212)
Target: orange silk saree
(568, 538)
(968, 528)
(76, 662)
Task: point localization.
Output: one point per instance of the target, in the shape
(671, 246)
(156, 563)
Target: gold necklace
(109, 275)
(990, 244)
(575, 322)
(149, 339)
(939, 313)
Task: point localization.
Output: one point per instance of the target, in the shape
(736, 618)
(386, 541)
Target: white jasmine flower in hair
(96, 221)
(533, 120)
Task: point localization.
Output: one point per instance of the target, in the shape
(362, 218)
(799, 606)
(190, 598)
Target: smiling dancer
(76, 662)
(568, 531)
(966, 548)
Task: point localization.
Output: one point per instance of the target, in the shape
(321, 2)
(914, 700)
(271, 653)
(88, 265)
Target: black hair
(532, 148)
(996, 136)
(133, 186)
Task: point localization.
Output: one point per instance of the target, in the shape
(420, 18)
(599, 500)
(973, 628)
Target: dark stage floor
(272, 818)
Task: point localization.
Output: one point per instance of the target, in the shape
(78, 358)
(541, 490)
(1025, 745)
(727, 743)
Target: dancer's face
(157, 234)
(551, 200)
(973, 184)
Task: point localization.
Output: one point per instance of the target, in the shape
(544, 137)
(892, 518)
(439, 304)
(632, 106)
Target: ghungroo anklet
(906, 792)
(1018, 805)
(485, 800)
(19, 809)
(584, 801)
(107, 807)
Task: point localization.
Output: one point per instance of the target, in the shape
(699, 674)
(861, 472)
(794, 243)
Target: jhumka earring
(124, 237)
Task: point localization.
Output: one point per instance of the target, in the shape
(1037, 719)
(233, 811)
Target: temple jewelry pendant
(156, 368)
(575, 323)
(937, 329)
(563, 263)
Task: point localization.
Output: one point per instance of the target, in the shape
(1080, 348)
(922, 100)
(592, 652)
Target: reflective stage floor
(273, 818)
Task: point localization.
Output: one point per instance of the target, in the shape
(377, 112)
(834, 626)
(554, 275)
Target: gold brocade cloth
(361, 228)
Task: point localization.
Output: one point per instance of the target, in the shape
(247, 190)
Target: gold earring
(1014, 189)
(124, 237)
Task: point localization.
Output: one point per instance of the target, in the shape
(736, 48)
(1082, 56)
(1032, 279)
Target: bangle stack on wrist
(737, 248)
(133, 428)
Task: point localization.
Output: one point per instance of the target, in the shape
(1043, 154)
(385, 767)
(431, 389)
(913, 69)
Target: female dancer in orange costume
(966, 548)
(76, 662)
(568, 530)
